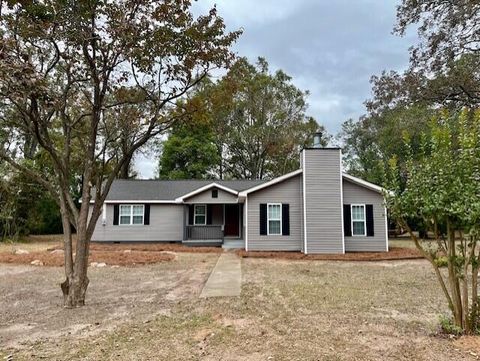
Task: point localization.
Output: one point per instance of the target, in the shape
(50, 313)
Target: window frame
(131, 215)
(215, 193)
(275, 219)
(358, 220)
(195, 214)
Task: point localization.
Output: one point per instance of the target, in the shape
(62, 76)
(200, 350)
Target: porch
(214, 225)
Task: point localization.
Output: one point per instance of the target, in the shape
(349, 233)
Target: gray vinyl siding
(323, 203)
(355, 194)
(166, 224)
(206, 197)
(288, 191)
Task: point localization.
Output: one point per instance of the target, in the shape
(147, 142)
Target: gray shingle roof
(168, 190)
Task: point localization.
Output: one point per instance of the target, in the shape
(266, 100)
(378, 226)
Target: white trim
(204, 214)
(246, 223)
(275, 219)
(341, 204)
(104, 214)
(304, 191)
(363, 183)
(131, 215)
(203, 189)
(270, 183)
(386, 229)
(364, 219)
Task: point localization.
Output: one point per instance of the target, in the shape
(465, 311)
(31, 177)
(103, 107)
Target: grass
(31, 243)
(288, 310)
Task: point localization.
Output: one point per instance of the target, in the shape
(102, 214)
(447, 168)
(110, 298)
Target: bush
(447, 325)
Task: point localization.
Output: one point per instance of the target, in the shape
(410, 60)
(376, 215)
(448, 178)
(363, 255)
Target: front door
(232, 226)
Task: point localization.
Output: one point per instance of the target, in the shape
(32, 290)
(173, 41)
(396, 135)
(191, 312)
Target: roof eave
(206, 187)
(364, 183)
(272, 182)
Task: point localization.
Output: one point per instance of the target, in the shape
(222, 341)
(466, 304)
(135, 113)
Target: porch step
(233, 244)
(202, 242)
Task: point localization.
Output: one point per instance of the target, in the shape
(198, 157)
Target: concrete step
(233, 244)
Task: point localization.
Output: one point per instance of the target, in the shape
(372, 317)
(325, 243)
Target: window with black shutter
(347, 220)
(369, 219)
(263, 219)
(285, 219)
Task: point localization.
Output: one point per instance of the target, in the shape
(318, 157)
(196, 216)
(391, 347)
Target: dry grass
(288, 310)
(395, 253)
(32, 243)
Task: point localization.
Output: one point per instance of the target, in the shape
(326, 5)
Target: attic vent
(214, 193)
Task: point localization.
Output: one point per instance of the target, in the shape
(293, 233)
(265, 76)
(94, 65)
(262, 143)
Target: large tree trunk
(74, 287)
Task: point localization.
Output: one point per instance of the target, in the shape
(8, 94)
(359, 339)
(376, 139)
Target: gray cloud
(330, 48)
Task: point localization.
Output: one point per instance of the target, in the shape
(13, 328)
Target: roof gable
(271, 182)
(363, 183)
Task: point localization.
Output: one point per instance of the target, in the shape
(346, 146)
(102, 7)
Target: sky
(330, 48)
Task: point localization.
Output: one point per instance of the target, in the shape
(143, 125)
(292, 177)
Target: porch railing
(204, 232)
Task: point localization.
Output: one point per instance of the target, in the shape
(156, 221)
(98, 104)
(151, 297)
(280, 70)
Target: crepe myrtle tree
(443, 190)
(63, 66)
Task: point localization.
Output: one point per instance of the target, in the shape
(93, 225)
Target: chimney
(317, 139)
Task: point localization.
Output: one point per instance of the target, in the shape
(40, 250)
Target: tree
(444, 65)
(374, 139)
(256, 120)
(62, 64)
(442, 189)
(189, 153)
(265, 125)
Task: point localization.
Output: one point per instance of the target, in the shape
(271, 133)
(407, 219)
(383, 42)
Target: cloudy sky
(330, 48)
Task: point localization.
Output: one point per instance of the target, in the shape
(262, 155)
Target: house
(315, 209)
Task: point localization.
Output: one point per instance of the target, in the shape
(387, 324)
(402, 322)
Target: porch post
(184, 223)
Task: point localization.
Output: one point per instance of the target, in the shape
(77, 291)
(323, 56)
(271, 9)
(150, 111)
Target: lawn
(288, 310)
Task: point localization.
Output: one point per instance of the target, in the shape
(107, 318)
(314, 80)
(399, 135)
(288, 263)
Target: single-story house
(315, 209)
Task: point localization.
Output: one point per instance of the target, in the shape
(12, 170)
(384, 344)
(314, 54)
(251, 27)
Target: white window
(200, 214)
(131, 214)
(359, 227)
(274, 219)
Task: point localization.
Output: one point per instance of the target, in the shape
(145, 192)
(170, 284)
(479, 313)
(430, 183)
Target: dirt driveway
(287, 310)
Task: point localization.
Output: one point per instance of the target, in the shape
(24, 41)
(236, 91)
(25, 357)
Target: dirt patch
(287, 310)
(157, 247)
(119, 258)
(48, 251)
(148, 247)
(471, 345)
(32, 312)
(395, 253)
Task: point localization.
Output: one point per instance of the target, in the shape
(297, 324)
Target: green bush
(448, 327)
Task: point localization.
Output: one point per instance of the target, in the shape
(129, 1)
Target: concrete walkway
(225, 279)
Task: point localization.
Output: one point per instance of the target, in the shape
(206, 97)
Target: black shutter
(347, 220)
(190, 213)
(116, 211)
(263, 219)
(285, 219)
(209, 213)
(146, 214)
(369, 219)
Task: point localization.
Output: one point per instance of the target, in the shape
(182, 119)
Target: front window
(200, 214)
(274, 219)
(131, 214)
(358, 220)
